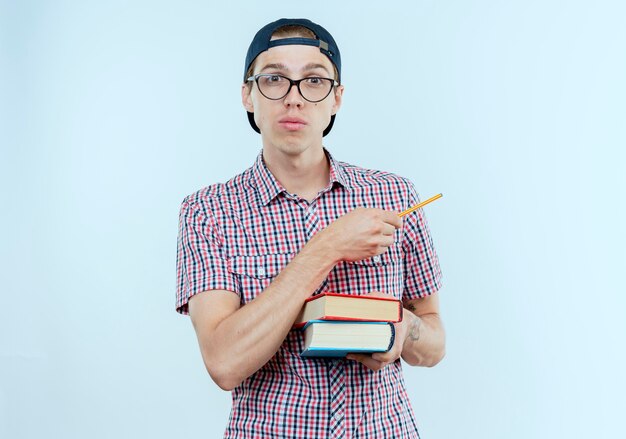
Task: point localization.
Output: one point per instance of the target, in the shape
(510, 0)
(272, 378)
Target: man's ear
(246, 99)
(338, 95)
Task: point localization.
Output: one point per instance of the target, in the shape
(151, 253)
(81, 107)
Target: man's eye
(315, 82)
(274, 78)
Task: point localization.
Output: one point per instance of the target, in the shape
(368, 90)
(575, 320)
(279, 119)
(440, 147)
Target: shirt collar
(268, 187)
(337, 172)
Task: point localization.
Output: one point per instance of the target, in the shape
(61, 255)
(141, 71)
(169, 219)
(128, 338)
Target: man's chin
(291, 146)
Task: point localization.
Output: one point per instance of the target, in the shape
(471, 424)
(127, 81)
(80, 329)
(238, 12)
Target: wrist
(323, 246)
(316, 258)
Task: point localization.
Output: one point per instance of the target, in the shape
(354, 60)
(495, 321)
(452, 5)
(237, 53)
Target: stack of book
(337, 324)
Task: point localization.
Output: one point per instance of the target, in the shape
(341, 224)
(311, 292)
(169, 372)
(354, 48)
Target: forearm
(244, 341)
(425, 340)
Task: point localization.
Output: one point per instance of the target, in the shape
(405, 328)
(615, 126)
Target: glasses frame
(292, 82)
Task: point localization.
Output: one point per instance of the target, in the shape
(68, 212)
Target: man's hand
(361, 234)
(420, 336)
(381, 359)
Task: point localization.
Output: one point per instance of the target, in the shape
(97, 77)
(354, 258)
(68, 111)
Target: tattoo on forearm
(414, 331)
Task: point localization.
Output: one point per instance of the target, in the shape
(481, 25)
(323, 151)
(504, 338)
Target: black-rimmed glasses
(274, 86)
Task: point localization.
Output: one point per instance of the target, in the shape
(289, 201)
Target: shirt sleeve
(200, 261)
(421, 266)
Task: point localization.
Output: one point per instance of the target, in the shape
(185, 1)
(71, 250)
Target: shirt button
(311, 208)
(376, 258)
(338, 416)
(260, 271)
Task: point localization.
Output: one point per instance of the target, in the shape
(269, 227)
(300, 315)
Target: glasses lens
(312, 89)
(315, 89)
(273, 86)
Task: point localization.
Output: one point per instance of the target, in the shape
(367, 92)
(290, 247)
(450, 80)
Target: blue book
(335, 339)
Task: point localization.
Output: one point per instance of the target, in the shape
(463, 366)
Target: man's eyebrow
(282, 67)
(275, 66)
(313, 66)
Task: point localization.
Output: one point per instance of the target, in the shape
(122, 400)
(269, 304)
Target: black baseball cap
(262, 42)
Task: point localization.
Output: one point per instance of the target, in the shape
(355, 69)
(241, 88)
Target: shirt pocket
(254, 273)
(379, 273)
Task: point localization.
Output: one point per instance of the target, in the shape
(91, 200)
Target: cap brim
(252, 122)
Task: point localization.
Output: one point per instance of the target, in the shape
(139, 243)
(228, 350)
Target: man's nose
(294, 98)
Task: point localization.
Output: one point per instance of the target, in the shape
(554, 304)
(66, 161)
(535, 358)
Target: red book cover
(323, 315)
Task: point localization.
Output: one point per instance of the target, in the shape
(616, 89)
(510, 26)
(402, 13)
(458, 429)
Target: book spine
(393, 336)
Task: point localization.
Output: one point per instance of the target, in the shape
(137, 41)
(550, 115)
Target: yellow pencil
(417, 206)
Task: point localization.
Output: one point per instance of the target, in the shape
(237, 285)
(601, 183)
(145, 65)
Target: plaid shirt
(239, 235)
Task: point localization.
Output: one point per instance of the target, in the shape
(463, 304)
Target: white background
(112, 112)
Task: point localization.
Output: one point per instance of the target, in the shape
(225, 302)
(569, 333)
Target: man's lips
(292, 123)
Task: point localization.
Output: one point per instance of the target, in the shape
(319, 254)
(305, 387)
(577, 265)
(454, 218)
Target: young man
(295, 224)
